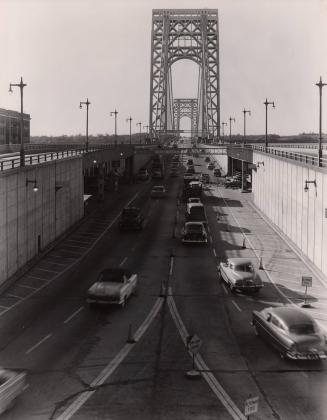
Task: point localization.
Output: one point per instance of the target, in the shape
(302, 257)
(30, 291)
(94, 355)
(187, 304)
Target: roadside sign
(194, 343)
(251, 405)
(306, 281)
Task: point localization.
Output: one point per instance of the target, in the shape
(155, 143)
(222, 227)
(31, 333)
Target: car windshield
(194, 228)
(114, 275)
(303, 328)
(244, 267)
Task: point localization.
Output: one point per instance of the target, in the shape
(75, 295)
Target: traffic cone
(260, 264)
(243, 245)
(130, 338)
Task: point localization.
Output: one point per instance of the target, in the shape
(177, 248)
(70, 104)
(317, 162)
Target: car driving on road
(239, 274)
(113, 286)
(131, 218)
(291, 331)
(158, 191)
(194, 233)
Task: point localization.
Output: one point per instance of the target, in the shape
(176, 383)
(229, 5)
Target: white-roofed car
(194, 233)
(195, 213)
(113, 286)
(291, 331)
(158, 191)
(192, 200)
(240, 274)
(12, 384)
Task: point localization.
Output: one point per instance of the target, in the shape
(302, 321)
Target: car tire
(220, 277)
(123, 304)
(256, 332)
(232, 288)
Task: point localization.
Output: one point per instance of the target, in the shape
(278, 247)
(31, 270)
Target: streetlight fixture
(273, 105)
(115, 112)
(245, 111)
(230, 128)
(34, 182)
(140, 124)
(87, 103)
(130, 119)
(320, 85)
(21, 85)
(306, 188)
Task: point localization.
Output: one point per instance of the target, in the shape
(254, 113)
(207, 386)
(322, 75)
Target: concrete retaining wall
(31, 220)
(278, 188)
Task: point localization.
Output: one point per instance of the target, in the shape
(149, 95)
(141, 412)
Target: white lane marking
(123, 262)
(26, 286)
(112, 366)
(171, 266)
(76, 246)
(13, 296)
(215, 386)
(73, 314)
(35, 277)
(214, 252)
(210, 239)
(225, 289)
(75, 261)
(304, 374)
(236, 306)
(54, 262)
(49, 271)
(38, 344)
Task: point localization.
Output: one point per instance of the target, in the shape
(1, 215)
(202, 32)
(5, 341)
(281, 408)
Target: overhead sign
(251, 405)
(306, 281)
(194, 343)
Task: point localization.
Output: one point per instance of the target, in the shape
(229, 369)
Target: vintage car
(290, 330)
(193, 200)
(195, 213)
(158, 191)
(205, 178)
(194, 233)
(233, 183)
(113, 286)
(190, 162)
(131, 218)
(207, 159)
(143, 174)
(210, 166)
(190, 170)
(12, 384)
(217, 172)
(239, 274)
(173, 173)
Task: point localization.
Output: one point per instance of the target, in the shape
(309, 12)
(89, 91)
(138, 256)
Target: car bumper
(104, 301)
(319, 355)
(248, 288)
(194, 241)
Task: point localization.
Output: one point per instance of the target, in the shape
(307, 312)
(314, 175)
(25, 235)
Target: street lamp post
(21, 85)
(245, 111)
(273, 105)
(140, 124)
(320, 85)
(223, 124)
(87, 103)
(230, 128)
(115, 112)
(130, 119)
(147, 132)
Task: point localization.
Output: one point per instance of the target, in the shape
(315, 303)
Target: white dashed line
(123, 262)
(13, 296)
(27, 287)
(55, 263)
(38, 344)
(35, 277)
(236, 306)
(214, 252)
(73, 314)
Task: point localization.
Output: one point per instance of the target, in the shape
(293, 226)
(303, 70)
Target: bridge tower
(186, 108)
(184, 34)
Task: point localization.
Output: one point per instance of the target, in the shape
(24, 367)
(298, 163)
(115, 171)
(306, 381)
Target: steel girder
(190, 34)
(186, 108)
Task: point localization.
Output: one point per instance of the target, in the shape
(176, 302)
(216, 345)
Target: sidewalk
(283, 262)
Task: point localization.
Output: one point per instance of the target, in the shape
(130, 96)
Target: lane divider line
(38, 343)
(123, 262)
(215, 386)
(171, 266)
(73, 314)
(214, 252)
(26, 286)
(236, 306)
(112, 366)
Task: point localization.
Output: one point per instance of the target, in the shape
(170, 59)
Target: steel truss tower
(186, 108)
(190, 34)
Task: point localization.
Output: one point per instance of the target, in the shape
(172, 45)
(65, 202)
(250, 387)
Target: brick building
(10, 127)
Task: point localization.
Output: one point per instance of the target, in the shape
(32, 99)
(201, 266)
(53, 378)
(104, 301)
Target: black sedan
(294, 333)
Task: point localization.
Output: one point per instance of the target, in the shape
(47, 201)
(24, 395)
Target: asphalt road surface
(79, 361)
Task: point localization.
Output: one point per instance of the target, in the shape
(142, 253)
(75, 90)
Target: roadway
(78, 360)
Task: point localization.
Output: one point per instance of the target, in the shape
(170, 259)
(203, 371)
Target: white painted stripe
(214, 252)
(38, 344)
(27, 287)
(44, 269)
(54, 262)
(13, 296)
(215, 386)
(123, 262)
(304, 374)
(112, 366)
(73, 314)
(171, 266)
(210, 239)
(35, 277)
(236, 306)
(225, 289)
(76, 246)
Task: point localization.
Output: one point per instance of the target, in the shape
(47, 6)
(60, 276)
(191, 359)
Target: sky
(70, 50)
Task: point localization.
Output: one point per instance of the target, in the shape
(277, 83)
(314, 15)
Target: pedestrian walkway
(283, 262)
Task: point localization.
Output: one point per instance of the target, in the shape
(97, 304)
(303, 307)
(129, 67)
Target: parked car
(205, 178)
(231, 183)
(143, 174)
(157, 174)
(217, 172)
(158, 191)
(239, 274)
(210, 166)
(12, 384)
(190, 162)
(194, 233)
(207, 159)
(131, 218)
(195, 213)
(113, 286)
(193, 200)
(291, 331)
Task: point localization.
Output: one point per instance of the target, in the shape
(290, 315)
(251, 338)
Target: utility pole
(87, 103)
(273, 105)
(21, 85)
(230, 128)
(115, 112)
(320, 85)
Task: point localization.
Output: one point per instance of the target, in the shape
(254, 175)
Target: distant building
(10, 127)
